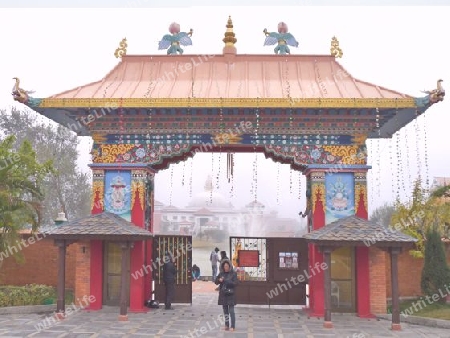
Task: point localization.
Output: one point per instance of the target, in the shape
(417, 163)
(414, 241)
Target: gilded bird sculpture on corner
(437, 94)
(19, 94)
(283, 38)
(172, 41)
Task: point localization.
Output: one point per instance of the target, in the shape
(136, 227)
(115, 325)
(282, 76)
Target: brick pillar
(82, 270)
(377, 264)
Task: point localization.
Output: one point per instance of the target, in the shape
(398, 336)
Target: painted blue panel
(340, 196)
(118, 193)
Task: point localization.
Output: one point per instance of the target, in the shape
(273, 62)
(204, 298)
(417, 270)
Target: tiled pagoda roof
(353, 230)
(105, 226)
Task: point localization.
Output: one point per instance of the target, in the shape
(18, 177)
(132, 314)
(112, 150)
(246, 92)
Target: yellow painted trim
(227, 102)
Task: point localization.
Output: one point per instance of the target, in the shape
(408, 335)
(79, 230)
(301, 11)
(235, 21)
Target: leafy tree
(419, 215)
(435, 273)
(383, 214)
(21, 193)
(65, 188)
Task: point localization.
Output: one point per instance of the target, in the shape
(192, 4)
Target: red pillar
(362, 252)
(96, 258)
(316, 195)
(149, 224)
(96, 280)
(138, 283)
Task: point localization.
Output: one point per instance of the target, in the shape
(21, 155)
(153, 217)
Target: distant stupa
(209, 184)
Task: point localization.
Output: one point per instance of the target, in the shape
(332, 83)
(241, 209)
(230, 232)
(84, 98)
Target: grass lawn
(424, 309)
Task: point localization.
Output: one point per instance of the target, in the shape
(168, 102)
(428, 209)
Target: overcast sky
(401, 48)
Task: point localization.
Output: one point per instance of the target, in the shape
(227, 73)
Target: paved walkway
(202, 319)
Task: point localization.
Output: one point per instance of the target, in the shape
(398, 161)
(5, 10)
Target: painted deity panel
(340, 196)
(118, 193)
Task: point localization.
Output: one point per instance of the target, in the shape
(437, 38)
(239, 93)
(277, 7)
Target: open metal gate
(271, 271)
(180, 247)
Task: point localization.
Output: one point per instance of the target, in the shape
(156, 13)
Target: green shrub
(435, 273)
(31, 294)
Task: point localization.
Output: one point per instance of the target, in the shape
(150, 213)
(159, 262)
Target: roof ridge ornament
(172, 41)
(122, 49)
(436, 95)
(230, 38)
(335, 50)
(282, 38)
(19, 94)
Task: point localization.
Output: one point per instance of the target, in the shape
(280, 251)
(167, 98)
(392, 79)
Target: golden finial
(335, 50)
(230, 38)
(122, 49)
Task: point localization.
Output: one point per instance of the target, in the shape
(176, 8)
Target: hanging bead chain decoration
(190, 176)
(290, 181)
(255, 177)
(300, 185)
(425, 143)
(182, 177)
(230, 161)
(255, 162)
(370, 177)
(278, 183)
(398, 165)
(218, 173)
(419, 164)
(212, 173)
(408, 163)
(391, 165)
(399, 171)
(171, 184)
(378, 177)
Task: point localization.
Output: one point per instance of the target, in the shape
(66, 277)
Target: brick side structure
(409, 274)
(379, 259)
(82, 273)
(39, 265)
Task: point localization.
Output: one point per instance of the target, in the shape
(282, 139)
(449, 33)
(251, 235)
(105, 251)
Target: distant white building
(210, 214)
(440, 182)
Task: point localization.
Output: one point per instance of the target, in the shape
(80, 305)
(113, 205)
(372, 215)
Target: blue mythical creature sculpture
(283, 38)
(176, 38)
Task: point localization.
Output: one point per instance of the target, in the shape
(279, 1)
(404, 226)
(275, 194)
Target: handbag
(228, 291)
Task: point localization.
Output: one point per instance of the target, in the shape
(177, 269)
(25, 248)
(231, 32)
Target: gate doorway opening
(112, 271)
(343, 286)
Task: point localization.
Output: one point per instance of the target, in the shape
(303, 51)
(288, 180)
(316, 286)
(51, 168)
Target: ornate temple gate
(271, 271)
(180, 247)
(151, 111)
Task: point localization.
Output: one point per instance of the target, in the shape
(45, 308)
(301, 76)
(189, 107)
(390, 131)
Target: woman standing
(227, 281)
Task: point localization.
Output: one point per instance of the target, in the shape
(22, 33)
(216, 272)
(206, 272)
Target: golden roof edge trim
(227, 102)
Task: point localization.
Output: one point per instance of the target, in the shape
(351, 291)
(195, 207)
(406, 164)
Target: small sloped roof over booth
(105, 226)
(354, 231)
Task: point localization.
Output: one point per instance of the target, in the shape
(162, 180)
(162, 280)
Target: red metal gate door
(272, 271)
(180, 247)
